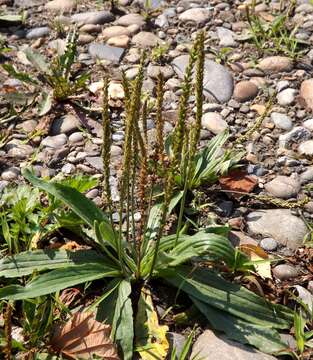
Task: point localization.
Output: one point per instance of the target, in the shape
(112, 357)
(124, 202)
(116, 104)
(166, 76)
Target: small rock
(21, 151)
(96, 162)
(154, 70)
(285, 272)
(91, 194)
(197, 15)
(10, 174)
(90, 28)
(245, 90)
(177, 342)
(120, 41)
(54, 141)
(131, 19)
(286, 97)
(307, 176)
(113, 31)
(106, 52)
(37, 33)
(281, 121)
(306, 148)
(268, 244)
(84, 39)
(27, 126)
(76, 137)
(146, 39)
(296, 135)
(68, 169)
(308, 124)
(93, 17)
(116, 91)
(284, 187)
(208, 346)
(306, 93)
(63, 6)
(276, 64)
(214, 122)
(64, 125)
(226, 37)
(3, 184)
(290, 232)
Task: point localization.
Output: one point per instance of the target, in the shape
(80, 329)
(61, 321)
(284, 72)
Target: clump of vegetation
(126, 261)
(56, 82)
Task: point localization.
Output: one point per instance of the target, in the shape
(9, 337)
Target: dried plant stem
(160, 120)
(8, 332)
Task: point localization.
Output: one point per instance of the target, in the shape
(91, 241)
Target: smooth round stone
(285, 272)
(146, 39)
(308, 124)
(297, 134)
(113, 31)
(281, 121)
(93, 17)
(284, 187)
(276, 64)
(245, 90)
(306, 148)
(91, 194)
(121, 41)
(90, 28)
(85, 39)
(61, 5)
(64, 125)
(268, 244)
(307, 175)
(306, 93)
(131, 19)
(56, 141)
(37, 33)
(155, 70)
(226, 37)
(197, 15)
(118, 137)
(76, 137)
(68, 169)
(106, 52)
(214, 122)
(21, 151)
(3, 184)
(286, 97)
(10, 174)
(27, 126)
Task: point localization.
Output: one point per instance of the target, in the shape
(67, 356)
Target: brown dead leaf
(238, 180)
(82, 337)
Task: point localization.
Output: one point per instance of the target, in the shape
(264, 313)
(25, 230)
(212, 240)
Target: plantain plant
(56, 82)
(129, 255)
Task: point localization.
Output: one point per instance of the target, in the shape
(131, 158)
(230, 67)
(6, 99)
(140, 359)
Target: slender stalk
(8, 332)
(160, 120)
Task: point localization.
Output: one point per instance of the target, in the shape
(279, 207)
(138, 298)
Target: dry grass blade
(82, 337)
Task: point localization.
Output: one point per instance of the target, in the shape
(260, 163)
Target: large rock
(280, 224)
(306, 93)
(198, 15)
(276, 64)
(284, 187)
(218, 82)
(209, 346)
(93, 17)
(106, 52)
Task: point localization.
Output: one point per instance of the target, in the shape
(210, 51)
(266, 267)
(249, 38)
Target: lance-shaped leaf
(44, 104)
(56, 280)
(18, 74)
(37, 60)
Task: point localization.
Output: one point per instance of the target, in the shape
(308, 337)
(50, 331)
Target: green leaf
(38, 61)
(83, 207)
(45, 104)
(24, 77)
(265, 339)
(27, 262)
(11, 18)
(208, 287)
(56, 280)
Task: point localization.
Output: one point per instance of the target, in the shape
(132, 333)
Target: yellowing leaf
(151, 339)
(82, 337)
(259, 258)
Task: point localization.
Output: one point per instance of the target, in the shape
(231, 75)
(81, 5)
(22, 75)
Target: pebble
(290, 232)
(120, 41)
(198, 15)
(275, 64)
(92, 17)
(296, 135)
(146, 39)
(113, 31)
(54, 141)
(214, 122)
(308, 124)
(306, 148)
(64, 125)
(154, 70)
(131, 19)
(284, 272)
(21, 151)
(226, 37)
(218, 82)
(281, 121)
(245, 90)
(37, 33)
(68, 169)
(106, 52)
(209, 346)
(76, 137)
(10, 174)
(268, 244)
(63, 6)
(284, 187)
(307, 175)
(4, 184)
(95, 161)
(306, 93)
(286, 97)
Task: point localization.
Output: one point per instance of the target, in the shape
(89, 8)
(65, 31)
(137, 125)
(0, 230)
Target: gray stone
(27, 126)
(10, 174)
(217, 83)
(226, 37)
(106, 52)
(308, 124)
(131, 19)
(3, 184)
(286, 97)
(306, 148)
(154, 70)
(296, 135)
(197, 15)
(209, 346)
(285, 272)
(307, 176)
(93, 17)
(276, 64)
(281, 121)
(61, 5)
(68, 169)
(290, 232)
(55, 142)
(214, 122)
(284, 187)
(28, 3)
(76, 137)
(37, 33)
(95, 161)
(268, 244)
(177, 342)
(21, 151)
(161, 21)
(146, 39)
(64, 125)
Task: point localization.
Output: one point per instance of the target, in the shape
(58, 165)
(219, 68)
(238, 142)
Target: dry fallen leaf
(258, 255)
(82, 337)
(238, 180)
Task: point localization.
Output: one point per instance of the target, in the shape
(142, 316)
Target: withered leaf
(82, 337)
(239, 181)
